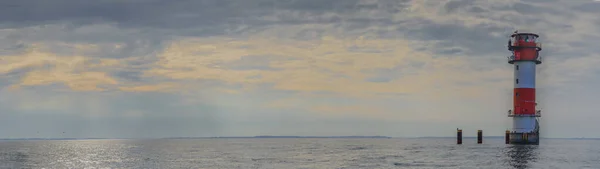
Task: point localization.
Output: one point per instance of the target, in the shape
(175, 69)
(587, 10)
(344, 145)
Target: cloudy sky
(162, 68)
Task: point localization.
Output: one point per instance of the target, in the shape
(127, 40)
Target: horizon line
(266, 136)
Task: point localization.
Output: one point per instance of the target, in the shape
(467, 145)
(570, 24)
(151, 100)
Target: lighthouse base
(524, 138)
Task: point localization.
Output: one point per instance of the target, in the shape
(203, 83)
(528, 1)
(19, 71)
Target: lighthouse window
(517, 67)
(517, 81)
(516, 94)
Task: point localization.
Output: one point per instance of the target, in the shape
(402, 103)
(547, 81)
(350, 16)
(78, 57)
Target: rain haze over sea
(279, 153)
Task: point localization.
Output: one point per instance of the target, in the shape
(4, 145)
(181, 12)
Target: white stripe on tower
(525, 73)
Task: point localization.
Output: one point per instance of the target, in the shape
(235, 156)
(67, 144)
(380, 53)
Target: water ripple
(296, 153)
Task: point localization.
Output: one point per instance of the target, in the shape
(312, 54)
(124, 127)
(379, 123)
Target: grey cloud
(477, 39)
(379, 79)
(134, 71)
(476, 9)
(133, 42)
(140, 13)
(540, 1)
(133, 76)
(254, 62)
(143, 27)
(155, 21)
(591, 7)
(12, 47)
(482, 40)
(121, 21)
(334, 6)
(561, 50)
(449, 51)
(453, 5)
(388, 74)
(215, 16)
(10, 79)
(320, 5)
(588, 43)
(309, 34)
(527, 9)
(143, 44)
(531, 9)
(161, 13)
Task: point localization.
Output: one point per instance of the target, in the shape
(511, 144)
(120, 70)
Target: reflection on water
(520, 156)
(297, 153)
(17, 159)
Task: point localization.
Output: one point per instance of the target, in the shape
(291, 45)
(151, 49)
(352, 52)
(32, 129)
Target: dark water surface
(297, 153)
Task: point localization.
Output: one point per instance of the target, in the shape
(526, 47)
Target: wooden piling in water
(479, 136)
(458, 136)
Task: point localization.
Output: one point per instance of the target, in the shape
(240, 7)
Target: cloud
(590, 7)
(326, 65)
(47, 68)
(148, 88)
(243, 64)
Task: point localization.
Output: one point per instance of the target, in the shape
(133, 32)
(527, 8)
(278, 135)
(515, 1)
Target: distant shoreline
(286, 137)
(223, 137)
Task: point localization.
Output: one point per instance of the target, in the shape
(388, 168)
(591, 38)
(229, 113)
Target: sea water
(284, 153)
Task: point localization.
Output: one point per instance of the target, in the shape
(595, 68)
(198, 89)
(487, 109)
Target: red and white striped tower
(525, 49)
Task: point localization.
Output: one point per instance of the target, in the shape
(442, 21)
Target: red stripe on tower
(524, 100)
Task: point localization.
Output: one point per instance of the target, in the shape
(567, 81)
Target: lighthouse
(525, 57)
